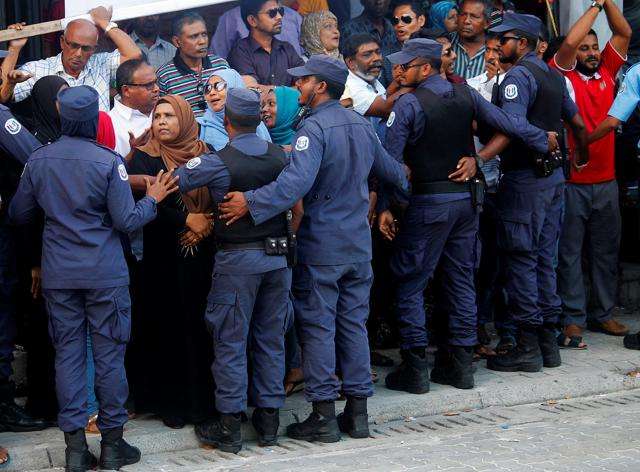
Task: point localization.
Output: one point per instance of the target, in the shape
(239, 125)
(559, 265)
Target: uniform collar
(432, 80)
(324, 105)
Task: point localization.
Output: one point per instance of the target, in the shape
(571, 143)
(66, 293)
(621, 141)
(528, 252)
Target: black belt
(240, 246)
(440, 187)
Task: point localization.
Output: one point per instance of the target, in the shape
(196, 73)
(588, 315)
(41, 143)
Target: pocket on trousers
(121, 320)
(514, 230)
(224, 321)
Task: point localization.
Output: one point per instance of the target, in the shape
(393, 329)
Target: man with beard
(592, 214)
(191, 67)
(261, 55)
(145, 35)
(468, 41)
(449, 56)
(431, 129)
(530, 195)
(373, 21)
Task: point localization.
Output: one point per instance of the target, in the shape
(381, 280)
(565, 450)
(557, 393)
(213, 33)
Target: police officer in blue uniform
(432, 130)
(249, 299)
(84, 192)
(16, 144)
(530, 196)
(333, 153)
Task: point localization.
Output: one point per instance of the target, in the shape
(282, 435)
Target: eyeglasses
(76, 46)
(217, 86)
(273, 12)
(505, 39)
(406, 67)
(148, 85)
(406, 19)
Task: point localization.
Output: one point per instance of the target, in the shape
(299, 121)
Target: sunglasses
(273, 12)
(505, 39)
(76, 46)
(217, 86)
(148, 85)
(406, 19)
(406, 67)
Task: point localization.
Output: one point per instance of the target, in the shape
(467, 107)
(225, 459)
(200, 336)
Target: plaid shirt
(176, 78)
(465, 66)
(99, 72)
(159, 53)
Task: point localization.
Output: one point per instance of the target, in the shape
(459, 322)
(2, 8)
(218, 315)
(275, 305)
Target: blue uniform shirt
(209, 171)
(84, 191)
(15, 140)
(333, 152)
(628, 96)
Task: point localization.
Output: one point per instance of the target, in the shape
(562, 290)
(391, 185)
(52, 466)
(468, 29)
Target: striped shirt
(176, 78)
(465, 66)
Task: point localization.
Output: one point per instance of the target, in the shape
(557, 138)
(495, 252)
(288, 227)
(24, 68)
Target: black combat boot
(454, 366)
(224, 432)
(320, 426)
(13, 417)
(266, 422)
(354, 420)
(412, 375)
(115, 452)
(525, 357)
(548, 341)
(77, 455)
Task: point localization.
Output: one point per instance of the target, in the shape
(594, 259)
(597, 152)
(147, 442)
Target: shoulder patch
(302, 143)
(622, 88)
(122, 171)
(392, 119)
(193, 163)
(511, 91)
(12, 126)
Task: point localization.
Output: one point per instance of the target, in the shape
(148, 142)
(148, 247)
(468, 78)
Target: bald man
(77, 63)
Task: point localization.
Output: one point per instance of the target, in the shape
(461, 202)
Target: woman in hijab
(174, 345)
(319, 34)
(444, 15)
(211, 123)
(46, 120)
(279, 112)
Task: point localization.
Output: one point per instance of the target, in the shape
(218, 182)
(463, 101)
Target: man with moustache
(261, 55)
(468, 41)
(145, 35)
(373, 21)
(592, 213)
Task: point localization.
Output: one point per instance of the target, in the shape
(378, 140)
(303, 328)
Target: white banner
(571, 10)
(126, 9)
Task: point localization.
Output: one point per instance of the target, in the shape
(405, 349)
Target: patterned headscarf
(439, 12)
(310, 34)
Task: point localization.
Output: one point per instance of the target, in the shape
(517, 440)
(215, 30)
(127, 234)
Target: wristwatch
(596, 5)
(110, 26)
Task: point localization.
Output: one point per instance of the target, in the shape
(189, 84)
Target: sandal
(483, 352)
(5, 458)
(92, 425)
(374, 376)
(571, 342)
(294, 381)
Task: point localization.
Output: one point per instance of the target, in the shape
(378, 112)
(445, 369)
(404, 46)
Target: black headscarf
(46, 120)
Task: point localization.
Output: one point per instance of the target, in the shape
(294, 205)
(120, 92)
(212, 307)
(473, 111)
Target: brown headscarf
(186, 146)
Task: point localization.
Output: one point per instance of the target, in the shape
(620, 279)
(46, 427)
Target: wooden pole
(31, 30)
(552, 18)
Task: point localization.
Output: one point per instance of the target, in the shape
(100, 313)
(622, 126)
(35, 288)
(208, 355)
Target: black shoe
(632, 341)
(454, 366)
(266, 422)
(16, 420)
(525, 357)
(77, 455)
(548, 341)
(412, 375)
(224, 433)
(115, 452)
(320, 426)
(354, 420)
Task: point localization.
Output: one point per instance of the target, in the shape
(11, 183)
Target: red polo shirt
(594, 97)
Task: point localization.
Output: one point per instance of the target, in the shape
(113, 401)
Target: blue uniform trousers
(252, 309)
(529, 214)
(431, 234)
(8, 281)
(106, 314)
(331, 305)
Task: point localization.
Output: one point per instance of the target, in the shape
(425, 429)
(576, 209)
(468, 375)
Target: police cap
(79, 103)
(245, 102)
(326, 67)
(414, 48)
(517, 21)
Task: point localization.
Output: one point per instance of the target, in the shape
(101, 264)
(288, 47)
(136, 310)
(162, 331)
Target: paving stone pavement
(601, 369)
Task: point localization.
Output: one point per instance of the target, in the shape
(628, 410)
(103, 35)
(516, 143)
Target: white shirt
(362, 93)
(127, 119)
(483, 85)
(99, 72)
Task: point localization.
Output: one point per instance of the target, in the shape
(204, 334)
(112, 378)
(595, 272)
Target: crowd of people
(254, 215)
